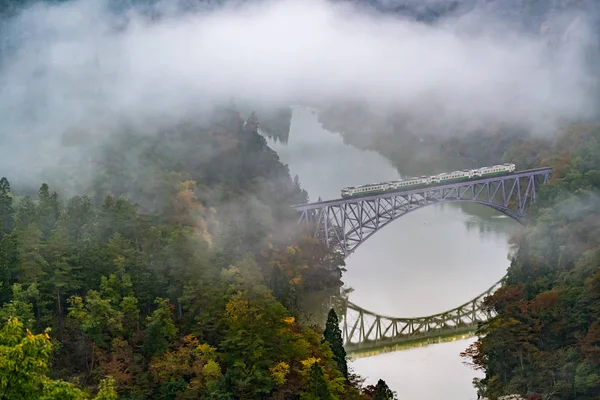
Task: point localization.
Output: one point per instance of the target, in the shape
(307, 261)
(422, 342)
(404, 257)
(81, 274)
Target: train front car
(511, 167)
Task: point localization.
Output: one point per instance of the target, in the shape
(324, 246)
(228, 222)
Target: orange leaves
(590, 344)
(118, 363)
(189, 360)
(544, 301)
(189, 210)
(296, 281)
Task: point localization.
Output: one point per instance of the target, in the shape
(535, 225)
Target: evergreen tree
(48, 209)
(251, 124)
(32, 265)
(6, 208)
(383, 392)
(333, 335)
(8, 264)
(26, 213)
(317, 385)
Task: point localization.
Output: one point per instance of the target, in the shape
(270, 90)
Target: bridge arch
(347, 223)
(504, 210)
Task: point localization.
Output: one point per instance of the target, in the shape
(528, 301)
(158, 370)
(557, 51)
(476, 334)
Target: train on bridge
(423, 181)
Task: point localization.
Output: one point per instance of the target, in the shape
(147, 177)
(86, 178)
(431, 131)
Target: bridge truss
(364, 330)
(347, 223)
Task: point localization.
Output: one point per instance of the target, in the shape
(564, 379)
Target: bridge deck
(320, 204)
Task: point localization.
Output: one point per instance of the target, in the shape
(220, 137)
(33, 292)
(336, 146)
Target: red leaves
(544, 301)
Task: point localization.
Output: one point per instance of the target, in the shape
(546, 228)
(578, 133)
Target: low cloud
(80, 66)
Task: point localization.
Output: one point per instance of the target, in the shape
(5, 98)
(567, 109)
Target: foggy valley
(186, 185)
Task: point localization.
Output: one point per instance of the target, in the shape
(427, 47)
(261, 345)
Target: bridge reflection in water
(366, 333)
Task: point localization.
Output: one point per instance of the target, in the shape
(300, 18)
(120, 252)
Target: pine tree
(333, 335)
(26, 214)
(383, 392)
(6, 208)
(48, 209)
(251, 124)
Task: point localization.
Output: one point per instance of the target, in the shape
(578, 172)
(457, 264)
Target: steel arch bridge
(367, 333)
(345, 224)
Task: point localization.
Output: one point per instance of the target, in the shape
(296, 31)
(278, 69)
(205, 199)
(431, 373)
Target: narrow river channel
(426, 262)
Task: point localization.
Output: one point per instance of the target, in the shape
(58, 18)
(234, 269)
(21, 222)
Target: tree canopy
(173, 274)
(545, 340)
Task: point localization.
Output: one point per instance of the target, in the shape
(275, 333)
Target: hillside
(545, 341)
(175, 273)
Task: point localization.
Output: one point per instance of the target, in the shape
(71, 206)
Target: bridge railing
(347, 223)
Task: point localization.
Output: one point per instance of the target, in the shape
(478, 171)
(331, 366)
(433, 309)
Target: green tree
(317, 388)
(8, 263)
(160, 329)
(63, 278)
(333, 335)
(21, 305)
(24, 359)
(48, 209)
(26, 213)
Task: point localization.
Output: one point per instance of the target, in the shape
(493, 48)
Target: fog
(81, 67)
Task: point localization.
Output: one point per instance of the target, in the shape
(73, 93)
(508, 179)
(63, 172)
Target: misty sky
(77, 66)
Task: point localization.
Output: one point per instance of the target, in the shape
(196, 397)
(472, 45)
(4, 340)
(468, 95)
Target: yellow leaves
(279, 372)
(289, 320)
(192, 359)
(306, 364)
(291, 250)
(211, 371)
(235, 308)
(206, 350)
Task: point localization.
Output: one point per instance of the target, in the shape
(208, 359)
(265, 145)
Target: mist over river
(426, 262)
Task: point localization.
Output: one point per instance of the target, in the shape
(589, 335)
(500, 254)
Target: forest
(544, 342)
(173, 273)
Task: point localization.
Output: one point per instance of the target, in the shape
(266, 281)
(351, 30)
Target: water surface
(426, 262)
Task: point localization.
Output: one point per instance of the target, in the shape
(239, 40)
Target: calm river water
(426, 262)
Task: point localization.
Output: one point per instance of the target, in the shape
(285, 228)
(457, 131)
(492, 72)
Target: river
(426, 262)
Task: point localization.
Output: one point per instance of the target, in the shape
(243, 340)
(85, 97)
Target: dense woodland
(174, 274)
(545, 340)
